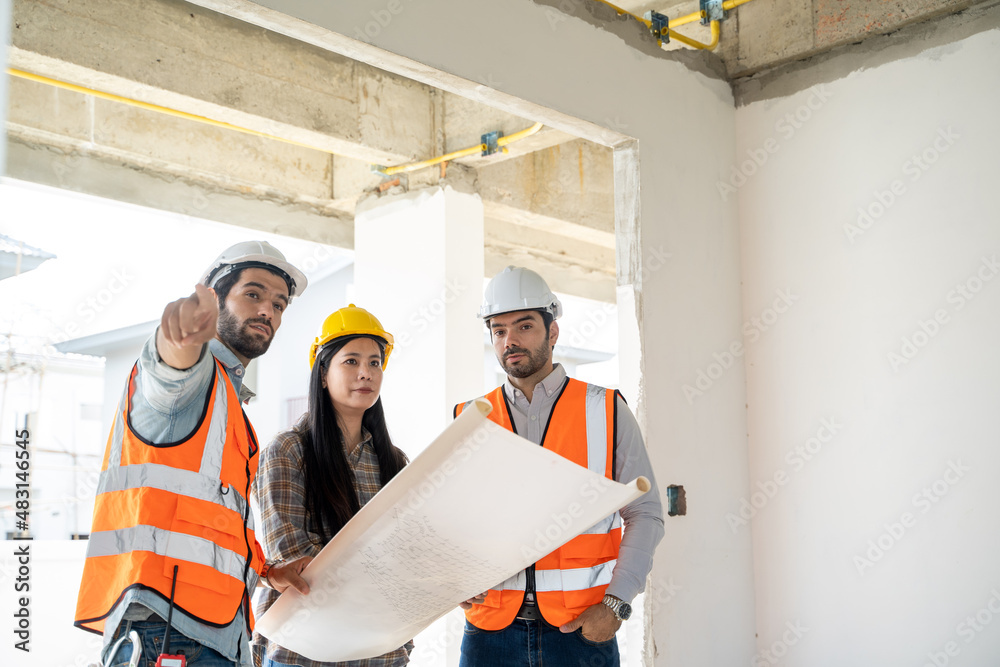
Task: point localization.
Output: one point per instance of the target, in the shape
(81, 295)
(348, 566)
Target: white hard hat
(517, 288)
(255, 254)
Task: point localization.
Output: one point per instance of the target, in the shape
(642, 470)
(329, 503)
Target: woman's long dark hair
(329, 481)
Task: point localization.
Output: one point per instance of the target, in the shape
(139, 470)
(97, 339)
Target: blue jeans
(151, 636)
(534, 644)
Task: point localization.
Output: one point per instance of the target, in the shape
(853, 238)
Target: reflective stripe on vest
(166, 543)
(184, 504)
(575, 579)
(181, 482)
(574, 576)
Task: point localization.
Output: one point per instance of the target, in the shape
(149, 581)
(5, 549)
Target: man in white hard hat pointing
(566, 608)
(173, 535)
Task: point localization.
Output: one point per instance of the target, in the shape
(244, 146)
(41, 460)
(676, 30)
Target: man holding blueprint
(566, 608)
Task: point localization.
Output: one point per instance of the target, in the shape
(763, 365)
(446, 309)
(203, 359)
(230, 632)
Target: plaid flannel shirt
(280, 493)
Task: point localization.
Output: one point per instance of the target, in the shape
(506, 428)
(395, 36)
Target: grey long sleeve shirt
(643, 518)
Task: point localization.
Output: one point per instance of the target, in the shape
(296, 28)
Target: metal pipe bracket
(658, 24)
(711, 10)
(490, 142)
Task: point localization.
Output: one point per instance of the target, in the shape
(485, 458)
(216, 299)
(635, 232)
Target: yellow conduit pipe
(696, 16)
(465, 152)
(696, 44)
(153, 107)
(423, 164)
(502, 141)
(621, 11)
(684, 20)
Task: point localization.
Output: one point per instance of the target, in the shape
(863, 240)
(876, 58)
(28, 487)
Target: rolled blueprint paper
(479, 505)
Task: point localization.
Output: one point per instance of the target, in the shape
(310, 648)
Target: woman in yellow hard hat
(315, 476)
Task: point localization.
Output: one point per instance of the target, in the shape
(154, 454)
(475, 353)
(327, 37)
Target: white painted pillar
(679, 320)
(5, 22)
(419, 269)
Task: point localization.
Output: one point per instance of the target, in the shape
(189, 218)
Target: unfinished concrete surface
(338, 118)
(837, 63)
(766, 33)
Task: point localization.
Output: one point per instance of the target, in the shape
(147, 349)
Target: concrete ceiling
(548, 200)
(767, 33)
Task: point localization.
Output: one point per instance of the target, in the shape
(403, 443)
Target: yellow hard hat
(350, 321)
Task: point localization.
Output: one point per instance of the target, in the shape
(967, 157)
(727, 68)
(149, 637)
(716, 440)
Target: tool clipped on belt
(165, 659)
(133, 637)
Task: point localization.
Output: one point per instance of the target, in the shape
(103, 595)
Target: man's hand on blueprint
(479, 599)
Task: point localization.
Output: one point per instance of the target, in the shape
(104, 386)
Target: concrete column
(419, 269)
(5, 10)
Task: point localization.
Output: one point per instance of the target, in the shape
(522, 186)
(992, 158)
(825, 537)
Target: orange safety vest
(581, 428)
(182, 503)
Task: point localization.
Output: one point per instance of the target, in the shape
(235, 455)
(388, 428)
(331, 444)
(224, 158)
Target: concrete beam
(572, 267)
(556, 201)
(839, 23)
(908, 42)
(101, 176)
(562, 275)
(549, 197)
(762, 35)
(466, 120)
(181, 56)
(219, 158)
(184, 57)
(557, 247)
(483, 87)
(108, 149)
(773, 32)
(567, 189)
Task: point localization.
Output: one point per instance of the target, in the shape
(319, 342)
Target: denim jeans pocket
(591, 642)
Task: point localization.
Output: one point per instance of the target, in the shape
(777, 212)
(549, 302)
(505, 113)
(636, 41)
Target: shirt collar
(366, 441)
(550, 385)
(234, 368)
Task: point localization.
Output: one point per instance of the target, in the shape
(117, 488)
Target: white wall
(117, 367)
(847, 547)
